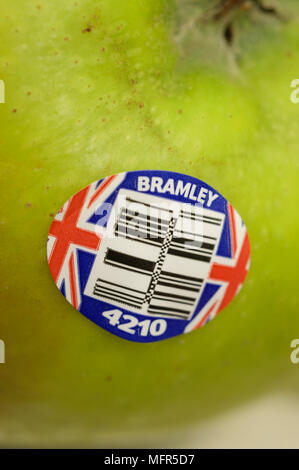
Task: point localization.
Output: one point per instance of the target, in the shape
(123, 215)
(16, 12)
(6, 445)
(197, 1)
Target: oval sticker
(148, 255)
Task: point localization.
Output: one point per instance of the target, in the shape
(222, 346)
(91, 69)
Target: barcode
(113, 291)
(158, 258)
(175, 294)
(149, 227)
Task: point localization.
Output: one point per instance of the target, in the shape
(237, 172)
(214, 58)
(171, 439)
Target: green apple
(94, 88)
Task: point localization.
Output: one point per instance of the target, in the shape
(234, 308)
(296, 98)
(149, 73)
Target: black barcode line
(168, 309)
(115, 295)
(185, 232)
(176, 301)
(167, 314)
(183, 282)
(146, 225)
(187, 254)
(143, 233)
(160, 262)
(103, 288)
(202, 217)
(192, 249)
(129, 214)
(194, 243)
(152, 206)
(178, 286)
(118, 292)
(115, 298)
(179, 298)
(204, 220)
(126, 268)
(119, 258)
(139, 239)
(103, 281)
(182, 276)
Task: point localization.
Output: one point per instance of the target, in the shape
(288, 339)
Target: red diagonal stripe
(233, 275)
(74, 297)
(101, 188)
(66, 232)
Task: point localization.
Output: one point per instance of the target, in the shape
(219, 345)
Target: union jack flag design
(128, 263)
(227, 273)
(71, 230)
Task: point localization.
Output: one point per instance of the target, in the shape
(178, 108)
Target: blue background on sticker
(93, 309)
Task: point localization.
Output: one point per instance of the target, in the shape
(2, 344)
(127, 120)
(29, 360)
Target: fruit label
(148, 255)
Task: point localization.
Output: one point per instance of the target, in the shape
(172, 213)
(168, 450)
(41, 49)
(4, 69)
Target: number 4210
(132, 325)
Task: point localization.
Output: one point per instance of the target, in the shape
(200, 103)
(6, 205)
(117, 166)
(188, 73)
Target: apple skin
(96, 88)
